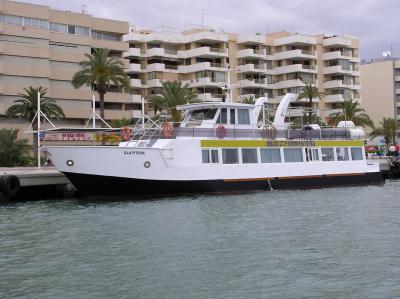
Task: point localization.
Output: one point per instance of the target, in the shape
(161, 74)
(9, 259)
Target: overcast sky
(375, 22)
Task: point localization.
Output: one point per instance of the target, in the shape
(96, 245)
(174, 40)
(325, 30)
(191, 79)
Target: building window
(105, 36)
(327, 154)
(356, 153)
(249, 155)
(342, 153)
(270, 155)
(293, 154)
(230, 156)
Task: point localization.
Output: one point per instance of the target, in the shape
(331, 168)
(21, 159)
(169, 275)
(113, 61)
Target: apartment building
(380, 79)
(40, 46)
(258, 65)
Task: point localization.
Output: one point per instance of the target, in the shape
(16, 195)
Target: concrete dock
(33, 181)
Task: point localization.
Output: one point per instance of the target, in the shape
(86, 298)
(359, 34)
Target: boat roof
(204, 105)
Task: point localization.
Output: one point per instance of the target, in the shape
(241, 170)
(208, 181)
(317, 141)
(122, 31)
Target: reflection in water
(341, 242)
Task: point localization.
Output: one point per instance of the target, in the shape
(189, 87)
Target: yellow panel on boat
(233, 143)
(339, 143)
(279, 143)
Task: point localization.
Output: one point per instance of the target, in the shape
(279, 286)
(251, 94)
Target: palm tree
(26, 108)
(119, 123)
(388, 129)
(248, 100)
(351, 111)
(12, 151)
(315, 119)
(172, 95)
(100, 72)
(310, 92)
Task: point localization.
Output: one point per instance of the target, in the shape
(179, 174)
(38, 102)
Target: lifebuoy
(126, 133)
(9, 186)
(221, 132)
(167, 130)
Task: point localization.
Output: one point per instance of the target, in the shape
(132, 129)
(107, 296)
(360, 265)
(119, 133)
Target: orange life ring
(167, 130)
(221, 132)
(126, 133)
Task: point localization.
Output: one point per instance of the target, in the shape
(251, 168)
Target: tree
(119, 123)
(315, 119)
(12, 151)
(388, 129)
(172, 95)
(26, 108)
(248, 100)
(310, 92)
(351, 111)
(100, 72)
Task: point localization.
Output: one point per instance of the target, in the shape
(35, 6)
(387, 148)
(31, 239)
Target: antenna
(203, 13)
(84, 8)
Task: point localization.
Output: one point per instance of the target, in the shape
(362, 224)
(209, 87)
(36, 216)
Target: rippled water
(342, 242)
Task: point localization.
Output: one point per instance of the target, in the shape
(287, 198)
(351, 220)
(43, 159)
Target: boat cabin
(210, 115)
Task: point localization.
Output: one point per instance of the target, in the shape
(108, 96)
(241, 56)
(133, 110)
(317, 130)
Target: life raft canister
(167, 130)
(126, 133)
(221, 132)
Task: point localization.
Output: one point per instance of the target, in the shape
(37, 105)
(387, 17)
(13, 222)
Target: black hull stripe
(107, 185)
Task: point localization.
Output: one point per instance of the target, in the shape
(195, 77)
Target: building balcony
(255, 83)
(295, 39)
(155, 67)
(334, 98)
(337, 84)
(294, 68)
(161, 52)
(254, 96)
(131, 53)
(336, 41)
(251, 53)
(251, 39)
(337, 55)
(153, 83)
(337, 69)
(136, 83)
(302, 54)
(397, 78)
(204, 82)
(132, 37)
(210, 97)
(134, 68)
(397, 90)
(137, 98)
(289, 84)
(203, 52)
(202, 66)
(252, 68)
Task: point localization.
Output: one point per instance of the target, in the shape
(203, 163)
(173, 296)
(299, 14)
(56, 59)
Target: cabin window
(209, 156)
(312, 154)
(356, 153)
(204, 114)
(327, 154)
(270, 155)
(243, 117)
(342, 153)
(232, 113)
(249, 155)
(222, 117)
(293, 154)
(230, 156)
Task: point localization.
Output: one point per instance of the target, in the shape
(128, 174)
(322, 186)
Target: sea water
(336, 243)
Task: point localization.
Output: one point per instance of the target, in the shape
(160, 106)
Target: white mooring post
(94, 111)
(38, 130)
(142, 112)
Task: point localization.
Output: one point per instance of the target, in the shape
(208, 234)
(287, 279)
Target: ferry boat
(219, 147)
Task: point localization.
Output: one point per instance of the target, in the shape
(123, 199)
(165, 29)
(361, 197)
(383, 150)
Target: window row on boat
(280, 155)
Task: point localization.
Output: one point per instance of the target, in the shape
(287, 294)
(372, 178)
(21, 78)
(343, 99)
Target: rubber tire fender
(10, 186)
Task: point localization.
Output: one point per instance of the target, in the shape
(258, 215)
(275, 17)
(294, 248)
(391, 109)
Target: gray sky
(375, 22)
